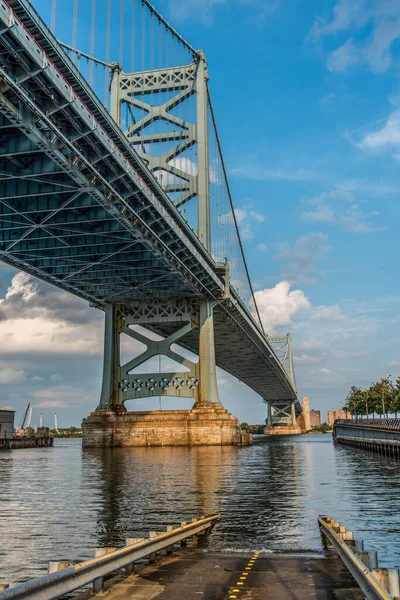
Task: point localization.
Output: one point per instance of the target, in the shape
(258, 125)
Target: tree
(356, 401)
(394, 406)
(244, 426)
(381, 396)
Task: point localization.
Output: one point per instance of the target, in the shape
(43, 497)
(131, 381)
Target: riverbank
(268, 496)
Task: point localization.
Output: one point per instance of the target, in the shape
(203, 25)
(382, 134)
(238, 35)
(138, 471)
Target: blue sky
(307, 100)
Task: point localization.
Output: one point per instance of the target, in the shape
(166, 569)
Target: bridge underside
(80, 210)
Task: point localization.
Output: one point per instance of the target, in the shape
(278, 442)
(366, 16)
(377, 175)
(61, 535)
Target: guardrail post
(153, 556)
(382, 576)
(373, 559)
(183, 542)
(394, 582)
(129, 569)
(170, 549)
(98, 584)
(56, 565)
(359, 545)
(364, 557)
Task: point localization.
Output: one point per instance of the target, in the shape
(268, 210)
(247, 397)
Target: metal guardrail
(389, 424)
(375, 583)
(64, 577)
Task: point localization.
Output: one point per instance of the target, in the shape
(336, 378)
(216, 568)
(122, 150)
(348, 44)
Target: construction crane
(29, 418)
(24, 419)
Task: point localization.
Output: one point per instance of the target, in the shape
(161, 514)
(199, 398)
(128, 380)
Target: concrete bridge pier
(283, 420)
(207, 423)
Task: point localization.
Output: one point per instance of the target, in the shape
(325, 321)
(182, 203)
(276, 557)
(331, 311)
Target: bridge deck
(214, 576)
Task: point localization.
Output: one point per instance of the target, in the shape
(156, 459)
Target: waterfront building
(315, 418)
(6, 424)
(338, 414)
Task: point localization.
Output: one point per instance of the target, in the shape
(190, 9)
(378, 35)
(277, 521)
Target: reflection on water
(62, 502)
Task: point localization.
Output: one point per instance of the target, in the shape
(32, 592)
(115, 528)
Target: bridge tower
(133, 89)
(283, 415)
(181, 316)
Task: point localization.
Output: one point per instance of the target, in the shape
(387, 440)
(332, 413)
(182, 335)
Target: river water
(62, 502)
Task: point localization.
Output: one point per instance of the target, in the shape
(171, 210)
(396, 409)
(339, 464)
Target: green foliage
(382, 398)
(323, 428)
(244, 426)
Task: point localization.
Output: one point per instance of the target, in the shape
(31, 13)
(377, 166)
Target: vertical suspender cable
(92, 40)
(143, 53)
(152, 145)
(106, 72)
(53, 16)
(121, 33)
(133, 37)
(74, 24)
(160, 94)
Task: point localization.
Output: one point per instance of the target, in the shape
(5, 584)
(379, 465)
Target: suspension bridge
(114, 188)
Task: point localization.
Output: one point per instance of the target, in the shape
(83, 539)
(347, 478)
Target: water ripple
(61, 503)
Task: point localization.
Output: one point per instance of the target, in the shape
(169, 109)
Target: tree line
(381, 398)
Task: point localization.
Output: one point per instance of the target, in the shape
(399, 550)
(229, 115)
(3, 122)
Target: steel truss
(183, 316)
(79, 208)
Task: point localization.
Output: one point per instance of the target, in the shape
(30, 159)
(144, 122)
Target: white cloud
(300, 260)
(278, 305)
(51, 404)
(38, 318)
(346, 13)
(56, 377)
(61, 396)
(259, 172)
(203, 9)
(262, 247)
(388, 135)
(305, 359)
(328, 313)
(36, 378)
(324, 371)
(394, 363)
(338, 207)
(245, 218)
(9, 375)
(372, 28)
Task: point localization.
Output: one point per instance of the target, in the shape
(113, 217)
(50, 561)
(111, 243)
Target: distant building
(337, 414)
(6, 424)
(315, 418)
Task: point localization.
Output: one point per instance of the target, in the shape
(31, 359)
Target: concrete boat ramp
(207, 575)
(163, 567)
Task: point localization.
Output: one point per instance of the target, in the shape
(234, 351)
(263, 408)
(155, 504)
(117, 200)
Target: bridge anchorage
(125, 202)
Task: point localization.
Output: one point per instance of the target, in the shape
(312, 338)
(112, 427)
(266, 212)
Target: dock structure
(162, 566)
(377, 435)
(41, 439)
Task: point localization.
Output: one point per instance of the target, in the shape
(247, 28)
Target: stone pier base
(283, 430)
(196, 427)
